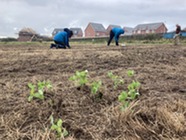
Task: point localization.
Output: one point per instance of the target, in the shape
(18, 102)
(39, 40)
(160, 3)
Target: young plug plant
(132, 92)
(117, 80)
(39, 94)
(80, 78)
(134, 86)
(130, 73)
(123, 98)
(126, 97)
(95, 86)
(133, 89)
(57, 127)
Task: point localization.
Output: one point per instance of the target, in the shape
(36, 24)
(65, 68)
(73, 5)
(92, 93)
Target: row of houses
(97, 30)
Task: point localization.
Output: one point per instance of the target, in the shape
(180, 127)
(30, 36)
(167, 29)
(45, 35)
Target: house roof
(56, 30)
(27, 31)
(128, 29)
(114, 26)
(76, 30)
(97, 27)
(150, 26)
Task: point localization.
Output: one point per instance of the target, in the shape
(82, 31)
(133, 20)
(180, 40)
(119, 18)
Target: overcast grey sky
(45, 15)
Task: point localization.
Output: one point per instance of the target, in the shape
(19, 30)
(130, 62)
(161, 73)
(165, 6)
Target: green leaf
(59, 130)
(57, 127)
(53, 127)
(72, 78)
(31, 86)
(78, 74)
(30, 98)
(132, 94)
(126, 104)
(117, 80)
(80, 77)
(123, 96)
(121, 81)
(40, 91)
(65, 132)
(49, 86)
(133, 85)
(95, 87)
(136, 84)
(110, 74)
(59, 123)
(130, 73)
(38, 95)
(40, 87)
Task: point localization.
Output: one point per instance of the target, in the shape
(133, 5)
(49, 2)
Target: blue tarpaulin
(170, 35)
(183, 33)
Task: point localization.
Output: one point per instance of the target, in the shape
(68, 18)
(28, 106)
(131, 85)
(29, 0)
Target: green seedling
(95, 86)
(123, 98)
(116, 79)
(40, 90)
(133, 89)
(130, 73)
(126, 97)
(80, 78)
(57, 127)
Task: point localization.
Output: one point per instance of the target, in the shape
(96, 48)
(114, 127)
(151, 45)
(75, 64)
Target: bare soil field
(159, 112)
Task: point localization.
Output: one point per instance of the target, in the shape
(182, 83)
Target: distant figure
(61, 39)
(177, 35)
(115, 32)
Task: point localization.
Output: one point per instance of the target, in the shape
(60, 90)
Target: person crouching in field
(177, 35)
(61, 39)
(115, 32)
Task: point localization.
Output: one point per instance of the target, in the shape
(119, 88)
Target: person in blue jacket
(115, 33)
(61, 39)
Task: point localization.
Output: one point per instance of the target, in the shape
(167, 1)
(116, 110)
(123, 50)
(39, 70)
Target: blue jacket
(62, 37)
(117, 32)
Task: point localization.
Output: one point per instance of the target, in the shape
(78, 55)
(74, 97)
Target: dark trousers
(59, 45)
(111, 37)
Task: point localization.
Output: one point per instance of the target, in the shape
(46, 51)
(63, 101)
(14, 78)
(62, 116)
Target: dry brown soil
(159, 113)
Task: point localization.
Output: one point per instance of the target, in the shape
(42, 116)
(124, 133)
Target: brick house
(128, 30)
(109, 28)
(27, 34)
(150, 28)
(77, 32)
(95, 30)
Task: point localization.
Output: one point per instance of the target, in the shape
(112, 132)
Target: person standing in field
(115, 33)
(61, 39)
(177, 35)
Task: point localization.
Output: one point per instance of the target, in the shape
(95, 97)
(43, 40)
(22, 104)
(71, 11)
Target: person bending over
(115, 33)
